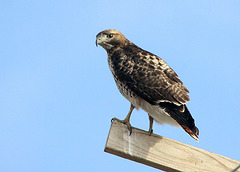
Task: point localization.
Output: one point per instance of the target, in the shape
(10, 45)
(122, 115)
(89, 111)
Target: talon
(115, 119)
(150, 132)
(112, 120)
(130, 130)
(126, 120)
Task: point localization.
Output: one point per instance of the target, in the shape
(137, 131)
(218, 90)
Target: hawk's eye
(110, 35)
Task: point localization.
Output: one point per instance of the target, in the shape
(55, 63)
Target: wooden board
(163, 153)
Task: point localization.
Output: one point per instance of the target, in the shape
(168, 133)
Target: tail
(182, 115)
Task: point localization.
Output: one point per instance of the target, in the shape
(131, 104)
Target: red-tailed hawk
(147, 82)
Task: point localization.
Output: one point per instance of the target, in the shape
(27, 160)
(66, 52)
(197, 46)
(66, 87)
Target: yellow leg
(150, 131)
(126, 120)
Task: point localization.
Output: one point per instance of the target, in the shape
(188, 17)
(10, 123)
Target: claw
(150, 132)
(126, 120)
(130, 131)
(129, 127)
(112, 120)
(116, 119)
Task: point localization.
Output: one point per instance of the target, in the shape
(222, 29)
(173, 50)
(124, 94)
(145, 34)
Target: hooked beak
(98, 38)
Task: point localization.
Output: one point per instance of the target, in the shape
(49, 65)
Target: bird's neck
(120, 46)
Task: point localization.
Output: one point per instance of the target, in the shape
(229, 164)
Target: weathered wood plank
(163, 153)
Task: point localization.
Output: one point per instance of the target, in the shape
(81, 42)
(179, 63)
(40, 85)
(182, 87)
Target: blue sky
(57, 95)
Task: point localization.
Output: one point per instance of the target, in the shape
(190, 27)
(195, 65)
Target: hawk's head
(111, 38)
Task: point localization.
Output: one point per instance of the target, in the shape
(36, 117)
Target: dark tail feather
(183, 117)
(193, 133)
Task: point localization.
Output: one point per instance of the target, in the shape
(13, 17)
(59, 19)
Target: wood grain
(163, 153)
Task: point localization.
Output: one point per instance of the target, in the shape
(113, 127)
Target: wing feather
(149, 76)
